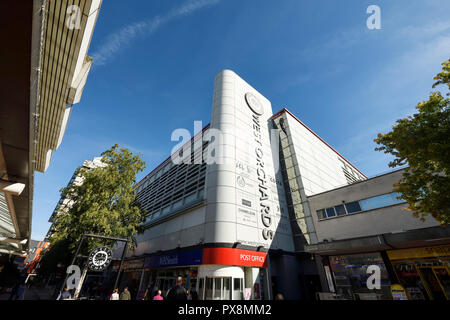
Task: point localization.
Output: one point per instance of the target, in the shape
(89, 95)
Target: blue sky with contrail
(155, 62)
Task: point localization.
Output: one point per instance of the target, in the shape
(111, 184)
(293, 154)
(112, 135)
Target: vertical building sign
(244, 191)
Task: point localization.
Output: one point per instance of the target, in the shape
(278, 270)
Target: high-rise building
(234, 220)
(66, 203)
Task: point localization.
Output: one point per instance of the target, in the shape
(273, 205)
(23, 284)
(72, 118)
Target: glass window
(350, 274)
(353, 207)
(237, 289)
(209, 289)
(330, 212)
(321, 214)
(364, 205)
(200, 288)
(380, 201)
(340, 210)
(226, 289)
(217, 288)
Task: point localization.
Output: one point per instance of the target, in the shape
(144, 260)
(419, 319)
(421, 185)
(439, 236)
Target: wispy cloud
(121, 38)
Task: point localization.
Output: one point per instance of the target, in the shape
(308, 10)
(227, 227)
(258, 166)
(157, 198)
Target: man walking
(177, 292)
(65, 295)
(125, 295)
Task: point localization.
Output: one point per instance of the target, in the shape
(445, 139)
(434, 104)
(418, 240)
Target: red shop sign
(237, 257)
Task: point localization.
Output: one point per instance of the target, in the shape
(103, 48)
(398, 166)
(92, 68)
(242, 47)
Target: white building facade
(235, 228)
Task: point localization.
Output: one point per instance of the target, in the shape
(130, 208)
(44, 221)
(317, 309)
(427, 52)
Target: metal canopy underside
(63, 61)
(44, 70)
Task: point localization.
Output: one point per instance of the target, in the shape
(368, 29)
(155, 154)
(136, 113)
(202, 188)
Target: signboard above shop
(176, 259)
(423, 252)
(237, 257)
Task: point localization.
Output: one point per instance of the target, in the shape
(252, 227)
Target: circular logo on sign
(254, 104)
(99, 259)
(241, 181)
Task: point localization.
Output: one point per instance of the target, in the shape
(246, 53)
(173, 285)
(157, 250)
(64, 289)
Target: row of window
(220, 288)
(384, 200)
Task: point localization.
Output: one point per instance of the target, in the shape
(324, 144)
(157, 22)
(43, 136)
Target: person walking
(65, 295)
(20, 291)
(125, 295)
(178, 292)
(115, 295)
(158, 296)
(194, 294)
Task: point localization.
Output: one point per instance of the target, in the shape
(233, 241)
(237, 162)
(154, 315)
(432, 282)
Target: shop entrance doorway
(437, 281)
(165, 284)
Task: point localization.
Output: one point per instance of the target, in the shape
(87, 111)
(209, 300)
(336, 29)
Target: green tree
(422, 141)
(104, 203)
(57, 253)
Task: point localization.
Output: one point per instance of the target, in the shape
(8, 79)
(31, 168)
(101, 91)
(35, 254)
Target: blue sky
(155, 62)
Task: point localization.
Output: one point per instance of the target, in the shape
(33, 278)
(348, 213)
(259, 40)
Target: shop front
(233, 274)
(350, 276)
(131, 277)
(161, 271)
(209, 274)
(424, 272)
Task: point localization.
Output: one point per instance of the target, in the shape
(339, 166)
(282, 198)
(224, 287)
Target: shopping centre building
(237, 227)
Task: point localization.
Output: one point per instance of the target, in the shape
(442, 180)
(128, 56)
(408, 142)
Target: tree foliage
(104, 203)
(56, 254)
(423, 142)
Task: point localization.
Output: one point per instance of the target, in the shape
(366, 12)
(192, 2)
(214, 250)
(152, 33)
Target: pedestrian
(177, 292)
(188, 295)
(65, 295)
(125, 295)
(115, 295)
(14, 291)
(194, 294)
(20, 291)
(148, 293)
(158, 296)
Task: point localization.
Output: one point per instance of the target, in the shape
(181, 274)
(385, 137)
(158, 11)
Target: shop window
(226, 288)
(200, 288)
(209, 289)
(218, 289)
(350, 274)
(238, 289)
(409, 278)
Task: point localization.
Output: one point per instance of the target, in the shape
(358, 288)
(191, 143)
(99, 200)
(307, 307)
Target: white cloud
(115, 41)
